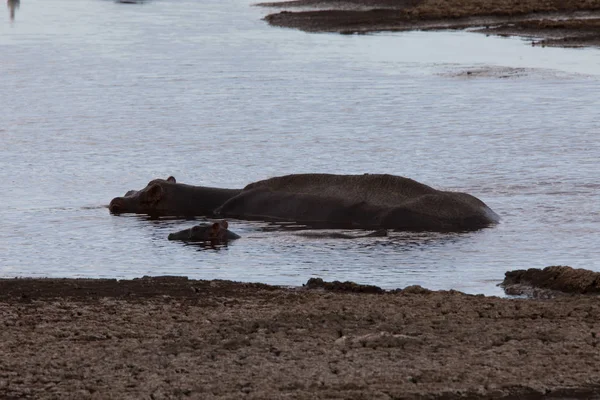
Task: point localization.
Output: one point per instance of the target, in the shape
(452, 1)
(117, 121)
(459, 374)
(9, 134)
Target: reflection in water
(203, 246)
(12, 6)
(297, 236)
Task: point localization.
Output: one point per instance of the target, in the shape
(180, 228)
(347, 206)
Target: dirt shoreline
(170, 337)
(567, 23)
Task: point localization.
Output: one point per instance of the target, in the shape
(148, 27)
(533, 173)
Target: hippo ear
(155, 192)
(215, 231)
(224, 224)
(171, 179)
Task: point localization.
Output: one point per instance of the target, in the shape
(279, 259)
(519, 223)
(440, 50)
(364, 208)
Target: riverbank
(568, 23)
(170, 337)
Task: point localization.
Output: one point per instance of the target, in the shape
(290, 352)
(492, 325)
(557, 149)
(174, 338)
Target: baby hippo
(215, 233)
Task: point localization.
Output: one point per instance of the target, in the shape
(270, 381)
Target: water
(99, 98)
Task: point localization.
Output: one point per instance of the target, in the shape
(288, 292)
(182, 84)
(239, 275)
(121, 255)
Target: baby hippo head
(214, 233)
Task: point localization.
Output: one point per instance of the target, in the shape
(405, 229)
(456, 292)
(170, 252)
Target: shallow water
(99, 98)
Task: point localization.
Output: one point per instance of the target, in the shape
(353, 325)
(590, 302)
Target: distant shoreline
(171, 337)
(569, 23)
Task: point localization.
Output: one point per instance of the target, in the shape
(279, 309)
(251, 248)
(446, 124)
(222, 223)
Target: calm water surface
(99, 98)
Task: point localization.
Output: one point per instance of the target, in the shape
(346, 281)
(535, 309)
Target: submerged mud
(569, 23)
(172, 337)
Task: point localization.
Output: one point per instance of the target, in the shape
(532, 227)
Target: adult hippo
(166, 197)
(215, 233)
(369, 201)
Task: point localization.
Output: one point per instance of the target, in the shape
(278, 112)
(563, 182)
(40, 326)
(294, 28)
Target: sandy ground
(171, 338)
(566, 23)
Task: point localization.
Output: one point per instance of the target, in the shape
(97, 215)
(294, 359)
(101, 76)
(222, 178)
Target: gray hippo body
(166, 197)
(215, 233)
(262, 204)
(369, 201)
(360, 202)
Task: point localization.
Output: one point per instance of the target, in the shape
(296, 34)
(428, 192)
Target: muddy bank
(176, 338)
(569, 23)
(557, 33)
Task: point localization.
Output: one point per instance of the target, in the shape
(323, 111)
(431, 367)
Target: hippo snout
(116, 205)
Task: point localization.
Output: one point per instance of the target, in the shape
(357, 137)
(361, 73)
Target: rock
(415, 289)
(560, 278)
(375, 340)
(337, 286)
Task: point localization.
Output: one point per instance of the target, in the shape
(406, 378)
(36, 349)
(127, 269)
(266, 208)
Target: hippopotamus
(215, 233)
(369, 201)
(166, 197)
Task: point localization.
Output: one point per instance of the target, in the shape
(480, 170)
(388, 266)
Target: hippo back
(368, 201)
(375, 189)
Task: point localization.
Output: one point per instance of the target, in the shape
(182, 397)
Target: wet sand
(167, 338)
(564, 23)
